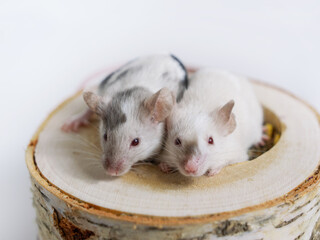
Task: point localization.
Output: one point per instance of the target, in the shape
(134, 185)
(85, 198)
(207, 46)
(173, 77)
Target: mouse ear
(95, 102)
(225, 119)
(160, 104)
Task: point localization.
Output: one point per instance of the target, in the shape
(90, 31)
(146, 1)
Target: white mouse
(133, 103)
(213, 126)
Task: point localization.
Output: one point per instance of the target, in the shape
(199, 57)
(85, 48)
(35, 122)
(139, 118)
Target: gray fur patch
(185, 79)
(135, 93)
(181, 90)
(190, 147)
(114, 116)
(165, 75)
(105, 81)
(129, 72)
(118, 75)
(123, 74)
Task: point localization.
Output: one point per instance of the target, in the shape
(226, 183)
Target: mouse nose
(115, 168)
(191, 167)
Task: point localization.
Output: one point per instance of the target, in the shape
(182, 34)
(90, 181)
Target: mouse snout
(191, 166)
(105, 163)
(113, 168)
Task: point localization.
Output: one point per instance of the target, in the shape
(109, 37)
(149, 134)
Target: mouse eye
(210, 140)
(177, 142)
(135, 142)
(105, 137)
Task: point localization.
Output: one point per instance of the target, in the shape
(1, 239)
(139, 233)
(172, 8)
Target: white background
(47, 48)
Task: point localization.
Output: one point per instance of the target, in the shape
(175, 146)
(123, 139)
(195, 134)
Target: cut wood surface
(275, 196)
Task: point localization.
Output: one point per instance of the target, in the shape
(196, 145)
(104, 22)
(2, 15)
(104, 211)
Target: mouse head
(196, 139)
(132, 126)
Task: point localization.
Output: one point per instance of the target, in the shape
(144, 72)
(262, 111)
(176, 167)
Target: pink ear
(160, 104)
(94, 102)
(225, 119)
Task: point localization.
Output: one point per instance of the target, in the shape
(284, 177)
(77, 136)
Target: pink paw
(264, 138)
(75, 124)
(211, 172)
(263, 141)
(77, 121)
(164, 167)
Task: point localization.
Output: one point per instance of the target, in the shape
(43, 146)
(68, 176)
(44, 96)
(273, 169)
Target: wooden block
(275, 196)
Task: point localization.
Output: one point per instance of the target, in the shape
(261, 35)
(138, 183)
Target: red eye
(177, 142)
(135, 142)
(210, 140)
(105, 137)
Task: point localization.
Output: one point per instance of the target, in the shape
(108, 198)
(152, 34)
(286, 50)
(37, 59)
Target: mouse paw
(74, 125)
(263, 141)
(211, 172)
(265, 129)
(77, 121)
(164, 167)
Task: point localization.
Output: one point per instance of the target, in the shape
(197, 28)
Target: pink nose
(113, 169)
(191, 167)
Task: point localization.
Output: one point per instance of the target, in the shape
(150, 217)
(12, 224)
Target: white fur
(150, 78)
(139, 126)
(146, 72)
(191, 120)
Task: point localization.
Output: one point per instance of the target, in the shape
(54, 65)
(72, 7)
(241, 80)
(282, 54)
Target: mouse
(132, 104)
(213, 126)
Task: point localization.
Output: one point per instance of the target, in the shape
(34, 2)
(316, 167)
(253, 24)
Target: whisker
(80, 141)
(83, 139)
(89, 159)
(87, 152)
(86, 141)
(92, 158)
(93, 125)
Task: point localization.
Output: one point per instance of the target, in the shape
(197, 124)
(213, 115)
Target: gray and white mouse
(133, 103)
(213, 126)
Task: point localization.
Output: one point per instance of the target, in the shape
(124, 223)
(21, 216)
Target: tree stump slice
(275, 196)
